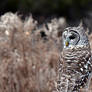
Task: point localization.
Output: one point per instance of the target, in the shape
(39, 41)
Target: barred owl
(75, 63)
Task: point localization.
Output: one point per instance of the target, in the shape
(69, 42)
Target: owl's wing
(86, 71)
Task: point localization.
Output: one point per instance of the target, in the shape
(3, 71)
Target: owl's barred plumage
(75, 64)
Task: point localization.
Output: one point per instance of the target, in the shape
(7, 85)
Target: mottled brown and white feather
(75, 68)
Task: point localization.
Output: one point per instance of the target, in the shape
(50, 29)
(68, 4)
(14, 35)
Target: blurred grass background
(71, 9)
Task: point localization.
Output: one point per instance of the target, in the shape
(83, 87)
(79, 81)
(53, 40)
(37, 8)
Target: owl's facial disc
(71, 38)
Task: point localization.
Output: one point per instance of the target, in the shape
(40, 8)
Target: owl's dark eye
(72, 37)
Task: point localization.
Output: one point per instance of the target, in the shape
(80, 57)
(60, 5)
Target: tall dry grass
(28, 55)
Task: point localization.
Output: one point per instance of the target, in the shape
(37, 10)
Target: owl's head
(74, 36)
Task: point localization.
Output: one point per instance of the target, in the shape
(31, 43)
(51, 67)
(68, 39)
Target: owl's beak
(67, 43)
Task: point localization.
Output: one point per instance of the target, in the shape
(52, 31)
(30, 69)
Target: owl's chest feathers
(76, 61)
